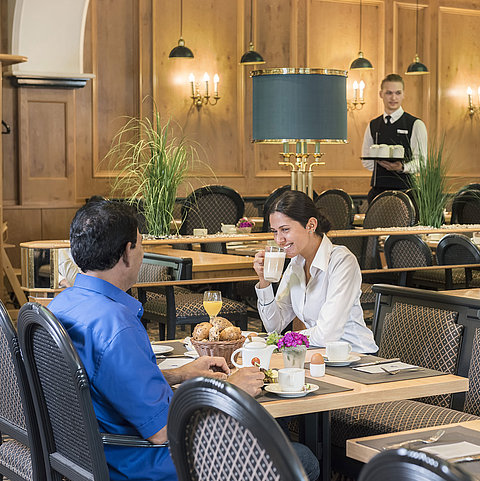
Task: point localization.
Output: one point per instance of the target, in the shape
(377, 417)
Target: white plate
(275, 388)
(174, 362)
(346, 362)
(161, 349)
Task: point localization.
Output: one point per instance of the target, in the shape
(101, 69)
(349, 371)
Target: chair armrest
(131, 441)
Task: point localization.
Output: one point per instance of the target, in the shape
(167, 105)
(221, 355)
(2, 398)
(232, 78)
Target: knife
(465, 459)
(374, 363)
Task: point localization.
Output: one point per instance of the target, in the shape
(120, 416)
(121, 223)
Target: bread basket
(218, 348)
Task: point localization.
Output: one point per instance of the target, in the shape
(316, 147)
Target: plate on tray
(276, 389)
(161, 348)
(345, 362)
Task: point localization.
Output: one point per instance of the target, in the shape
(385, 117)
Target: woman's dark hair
(100, 232)
(298, 206)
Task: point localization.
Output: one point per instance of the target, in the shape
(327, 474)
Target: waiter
(394, 127)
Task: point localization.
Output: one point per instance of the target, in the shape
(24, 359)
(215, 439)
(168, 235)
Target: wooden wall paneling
(210, 31)
(56, 223)
(458, 68)
(46, 146)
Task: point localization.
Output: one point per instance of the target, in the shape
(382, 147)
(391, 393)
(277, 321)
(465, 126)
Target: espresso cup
(338, 350)
(291, 379)
(273, 263)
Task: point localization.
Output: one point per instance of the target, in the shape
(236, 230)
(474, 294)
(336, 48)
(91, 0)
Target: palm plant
(429, 186)
(150, 164)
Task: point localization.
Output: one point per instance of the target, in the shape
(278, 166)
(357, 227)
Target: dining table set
(357, 380)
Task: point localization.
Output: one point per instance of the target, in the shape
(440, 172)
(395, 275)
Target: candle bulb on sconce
(471, 109)
(358, 96)
(197, 98)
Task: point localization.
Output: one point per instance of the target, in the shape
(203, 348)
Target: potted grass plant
(429, 186)
(150, 163)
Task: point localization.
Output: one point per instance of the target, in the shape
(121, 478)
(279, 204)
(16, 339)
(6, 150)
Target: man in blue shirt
(130, 394)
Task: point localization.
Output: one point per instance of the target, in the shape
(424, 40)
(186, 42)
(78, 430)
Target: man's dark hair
(100, 232)
(393, 77)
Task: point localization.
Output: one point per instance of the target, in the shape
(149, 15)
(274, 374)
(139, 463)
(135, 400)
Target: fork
(432, 439)
(396, 371)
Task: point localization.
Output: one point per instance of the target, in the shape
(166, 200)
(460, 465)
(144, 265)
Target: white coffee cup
(273, 263)
(291, 379)
(229, 229)
(338, 350)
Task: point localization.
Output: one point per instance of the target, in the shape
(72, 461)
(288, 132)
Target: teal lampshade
(416, 67)
(299, 104)
(361, 63)
(180, 51)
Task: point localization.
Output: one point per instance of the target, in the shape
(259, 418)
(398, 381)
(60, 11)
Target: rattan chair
(218, 432)
(337, 206)
(171, 306)
(21, 456)
(458, 249)
(410, 465)
(208, 208)
(466, 205)
(70, 438)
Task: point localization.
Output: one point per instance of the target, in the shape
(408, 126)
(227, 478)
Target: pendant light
(361, 63)
(180, 51)
(416, 67)
(250, 57)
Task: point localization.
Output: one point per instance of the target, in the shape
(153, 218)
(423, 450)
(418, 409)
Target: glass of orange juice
(212, 303)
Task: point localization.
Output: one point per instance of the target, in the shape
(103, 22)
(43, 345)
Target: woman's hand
(258, 263)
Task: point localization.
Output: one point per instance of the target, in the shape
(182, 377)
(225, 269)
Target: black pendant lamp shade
(416, 67)
(361, 63)
(180, 51)
(251, 57)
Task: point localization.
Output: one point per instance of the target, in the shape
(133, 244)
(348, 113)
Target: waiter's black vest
(383, 133)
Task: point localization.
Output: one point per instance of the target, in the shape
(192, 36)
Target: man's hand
(204, 366)
(393, 166)
(250, 379)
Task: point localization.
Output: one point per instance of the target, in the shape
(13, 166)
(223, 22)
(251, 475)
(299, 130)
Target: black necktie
(388, 118)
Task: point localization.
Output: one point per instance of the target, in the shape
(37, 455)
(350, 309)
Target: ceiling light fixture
(180, 51)
(251, 57)
(416, 67)
(361, 63)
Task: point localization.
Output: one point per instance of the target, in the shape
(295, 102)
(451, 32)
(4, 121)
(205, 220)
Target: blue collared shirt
(129, 393)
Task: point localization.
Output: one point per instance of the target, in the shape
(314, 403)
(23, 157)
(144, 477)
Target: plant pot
(294, 356)
(244, 230)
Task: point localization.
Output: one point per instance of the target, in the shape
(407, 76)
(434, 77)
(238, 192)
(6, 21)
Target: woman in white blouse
(321, 286)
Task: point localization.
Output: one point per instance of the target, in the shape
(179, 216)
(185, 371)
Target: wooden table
(208, 265)
(470, 293)
(365, 453)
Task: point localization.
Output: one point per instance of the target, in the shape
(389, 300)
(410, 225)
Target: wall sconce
(472, 110)
(358, 96)
(199, 99)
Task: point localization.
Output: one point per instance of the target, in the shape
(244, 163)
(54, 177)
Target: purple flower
(244, 222)
(292, 339)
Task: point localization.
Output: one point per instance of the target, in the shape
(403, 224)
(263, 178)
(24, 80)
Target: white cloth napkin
(391, 366)
(453, 450)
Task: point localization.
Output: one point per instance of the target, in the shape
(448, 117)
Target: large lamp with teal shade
(300, 106)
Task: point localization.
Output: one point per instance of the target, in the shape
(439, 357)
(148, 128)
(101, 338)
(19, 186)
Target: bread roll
(214, 333)
(221, 322)
(201, 331)
(231, 333)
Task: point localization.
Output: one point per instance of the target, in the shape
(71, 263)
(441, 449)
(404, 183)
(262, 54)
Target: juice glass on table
(212, 303)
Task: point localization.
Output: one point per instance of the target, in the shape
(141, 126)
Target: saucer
(345, 362)
(161, 349)
(276, 389)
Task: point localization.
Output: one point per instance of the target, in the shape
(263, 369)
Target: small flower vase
(294, 356)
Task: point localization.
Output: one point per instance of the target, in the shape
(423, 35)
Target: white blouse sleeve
(276, 312)
(344, 283)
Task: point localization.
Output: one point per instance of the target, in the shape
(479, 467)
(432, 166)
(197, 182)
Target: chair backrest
(217, 431)
(410, 465)
(158, 267)
(337, 206)
(17, 415)
(388, 209)
(457, 249)
(407, 251)
(438, 318)
(466, 205)
(209, 207)
(68, 427)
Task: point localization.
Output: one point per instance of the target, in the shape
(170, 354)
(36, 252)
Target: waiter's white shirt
(329, 305)
(418, 143)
